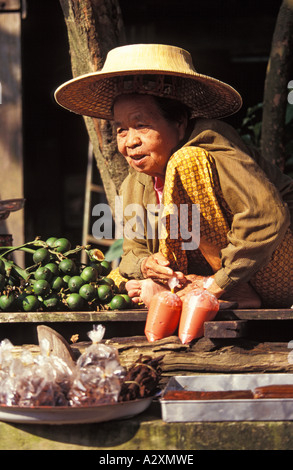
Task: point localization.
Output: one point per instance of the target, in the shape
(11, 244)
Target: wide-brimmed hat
(154, 69)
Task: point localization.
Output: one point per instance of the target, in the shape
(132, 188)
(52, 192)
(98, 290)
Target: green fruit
(42, 287)
(57, 283)
(67, 266)
(107, 280)
(30, 303)
(7, 302)
(106, 267)
(89, 274)
(105, 293)
(41, 255)
(50, 241)
(75, 301)
(52, 302)
(118, 302)
(66, 279)
(61, 245)
(43, 273)
(96, 255)
(97, 266)
(53, 268)
(75, 283)
(88, 292)
(128, 300)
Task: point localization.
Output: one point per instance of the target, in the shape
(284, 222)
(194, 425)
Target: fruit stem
(24, 247)
(10, 266)
(75, 250)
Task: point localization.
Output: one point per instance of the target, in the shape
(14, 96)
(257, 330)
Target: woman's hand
(157, 267)
(194, 282)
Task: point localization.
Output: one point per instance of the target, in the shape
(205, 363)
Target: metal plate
(73, 415)
(273, 409)
(11, 205)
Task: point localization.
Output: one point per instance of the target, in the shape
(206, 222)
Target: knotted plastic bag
(163, 314)
(198, 307)
(45, 382)
(99, 373)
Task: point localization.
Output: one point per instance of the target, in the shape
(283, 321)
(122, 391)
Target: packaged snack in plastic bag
(97, 353)
(37, 390)
(99, 373)
(9, 388)
(33, 380)
(6, 356)
(163, 314)
(45, 382)
(56, 368)
(11, 370)
(198, 307)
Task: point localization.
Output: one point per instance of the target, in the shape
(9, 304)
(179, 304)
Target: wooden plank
(11, 145)
(207, 356)
(51, 317)
(225, 329)
(137, 315)
(10, 5)
(202, 356)
(255, 314)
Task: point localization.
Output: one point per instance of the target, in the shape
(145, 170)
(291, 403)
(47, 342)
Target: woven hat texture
(155, 69)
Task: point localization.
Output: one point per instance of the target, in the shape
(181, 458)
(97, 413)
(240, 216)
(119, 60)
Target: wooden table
(234, 323)
(215, 353)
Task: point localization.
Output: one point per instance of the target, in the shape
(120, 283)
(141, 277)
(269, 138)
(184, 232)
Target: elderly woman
(182, 157)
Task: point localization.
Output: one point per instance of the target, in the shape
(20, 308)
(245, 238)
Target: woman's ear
(182, 126)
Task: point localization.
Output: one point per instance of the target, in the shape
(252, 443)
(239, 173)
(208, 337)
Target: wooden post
(94, 27)
(276, 87)
(11, 142)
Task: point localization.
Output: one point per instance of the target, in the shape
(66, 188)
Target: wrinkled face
(144, 136)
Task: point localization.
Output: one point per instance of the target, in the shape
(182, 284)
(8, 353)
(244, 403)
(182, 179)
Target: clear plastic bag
(40, 380)
(198, 307)
(163, 313)
(99, 373)
(47, 380)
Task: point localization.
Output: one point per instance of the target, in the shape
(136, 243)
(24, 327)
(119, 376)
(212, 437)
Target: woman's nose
(133, 139)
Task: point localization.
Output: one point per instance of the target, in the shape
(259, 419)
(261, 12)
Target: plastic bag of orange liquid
(198, 307)
(163, 315)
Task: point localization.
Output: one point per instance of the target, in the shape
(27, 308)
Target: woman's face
(145, 138)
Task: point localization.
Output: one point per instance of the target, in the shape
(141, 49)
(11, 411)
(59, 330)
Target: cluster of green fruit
(56, 280)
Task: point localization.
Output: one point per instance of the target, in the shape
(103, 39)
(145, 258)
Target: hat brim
(93, 94)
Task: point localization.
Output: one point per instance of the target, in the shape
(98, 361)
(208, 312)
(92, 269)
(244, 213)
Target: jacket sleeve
(136, 192)
(260, 220)
(260, 217)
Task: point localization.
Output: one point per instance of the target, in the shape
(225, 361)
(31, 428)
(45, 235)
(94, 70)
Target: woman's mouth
(138, 160)
(137, 157)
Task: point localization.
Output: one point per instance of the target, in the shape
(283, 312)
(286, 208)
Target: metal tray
(273, 409)
(73, 415)
(11, 205)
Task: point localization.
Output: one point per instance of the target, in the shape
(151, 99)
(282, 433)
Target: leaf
(289, 114)
(115, 251)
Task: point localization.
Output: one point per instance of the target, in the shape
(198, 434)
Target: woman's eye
(120, 131)
(142, 126)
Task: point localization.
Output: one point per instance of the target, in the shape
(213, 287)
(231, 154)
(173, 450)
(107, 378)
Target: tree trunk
(275, 91)
(94, 27)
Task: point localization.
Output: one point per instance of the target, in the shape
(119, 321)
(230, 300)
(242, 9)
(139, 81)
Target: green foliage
(250, 129)
(250, 132)
(115, 251)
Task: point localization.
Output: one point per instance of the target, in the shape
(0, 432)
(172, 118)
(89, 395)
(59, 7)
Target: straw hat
(155, 69)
